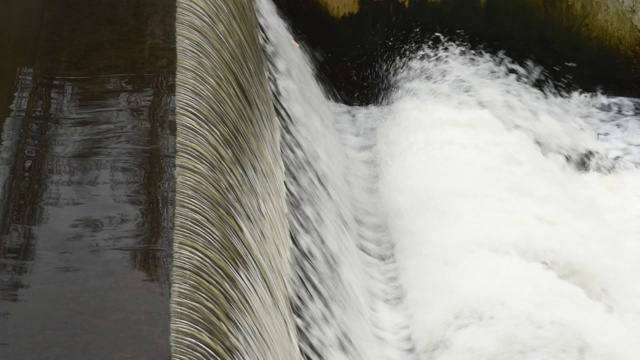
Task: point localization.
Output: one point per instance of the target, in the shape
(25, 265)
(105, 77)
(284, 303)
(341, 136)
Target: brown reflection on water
(86, 178)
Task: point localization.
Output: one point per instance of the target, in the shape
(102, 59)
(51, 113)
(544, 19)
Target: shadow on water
(86, 178)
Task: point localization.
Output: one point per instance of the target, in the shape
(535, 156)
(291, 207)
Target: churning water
(475, 214)
(514, 212)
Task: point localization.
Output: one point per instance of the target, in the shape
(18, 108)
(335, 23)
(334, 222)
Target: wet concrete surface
(86, 178)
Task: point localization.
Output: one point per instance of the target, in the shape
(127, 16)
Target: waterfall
(477, 212)
(231, 250)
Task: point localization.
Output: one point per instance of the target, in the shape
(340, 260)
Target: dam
(262, 194)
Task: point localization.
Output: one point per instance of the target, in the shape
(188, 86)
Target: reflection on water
(86, 179)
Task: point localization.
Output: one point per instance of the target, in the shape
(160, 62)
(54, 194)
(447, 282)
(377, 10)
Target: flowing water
(478, 212)
(512, 243)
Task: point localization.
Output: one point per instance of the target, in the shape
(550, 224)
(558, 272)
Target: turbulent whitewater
(476, 212)
(475, 215)
(346, 295)
(514, 211)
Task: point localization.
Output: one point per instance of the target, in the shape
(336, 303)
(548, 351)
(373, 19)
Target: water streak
(346, 294)
(478, 213)
(230, 271)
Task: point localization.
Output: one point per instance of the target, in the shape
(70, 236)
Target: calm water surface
(86, 178)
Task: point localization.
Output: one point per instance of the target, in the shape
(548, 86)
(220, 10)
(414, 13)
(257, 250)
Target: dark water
(352, 53)
(86, 178)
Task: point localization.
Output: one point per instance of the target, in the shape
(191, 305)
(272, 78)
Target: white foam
(344, 291)
(506, 249)
(515, 213)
